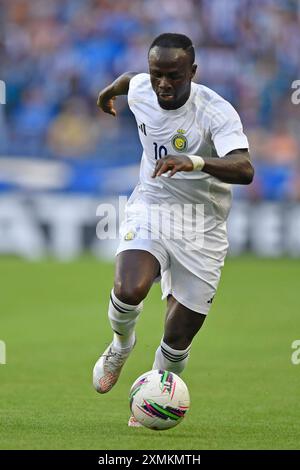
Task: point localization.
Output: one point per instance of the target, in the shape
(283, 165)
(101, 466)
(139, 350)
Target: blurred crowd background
(56, 55)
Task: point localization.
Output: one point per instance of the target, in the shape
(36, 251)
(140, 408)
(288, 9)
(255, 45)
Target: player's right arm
(119, 87)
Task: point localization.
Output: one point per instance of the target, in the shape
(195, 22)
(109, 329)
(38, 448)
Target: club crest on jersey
(129, 235)
(179, 141)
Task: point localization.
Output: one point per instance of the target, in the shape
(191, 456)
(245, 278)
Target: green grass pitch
(244, 388)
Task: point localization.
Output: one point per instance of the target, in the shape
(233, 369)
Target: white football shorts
(190, 264)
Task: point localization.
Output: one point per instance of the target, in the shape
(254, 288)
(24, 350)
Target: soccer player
(194, 149)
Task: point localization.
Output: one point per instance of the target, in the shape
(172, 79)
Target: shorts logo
(129, 236)
(179, 141)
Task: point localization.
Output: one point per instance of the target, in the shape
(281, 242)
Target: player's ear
(193, 71)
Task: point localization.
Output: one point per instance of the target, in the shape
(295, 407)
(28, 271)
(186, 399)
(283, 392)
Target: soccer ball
(159, 399)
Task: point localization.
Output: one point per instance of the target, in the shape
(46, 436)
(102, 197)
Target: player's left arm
(234, 168)
(224, 126)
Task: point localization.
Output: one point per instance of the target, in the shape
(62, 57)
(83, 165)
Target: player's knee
(130, 294)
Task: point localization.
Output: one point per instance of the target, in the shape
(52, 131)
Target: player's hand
(105, 102)
(172, 163)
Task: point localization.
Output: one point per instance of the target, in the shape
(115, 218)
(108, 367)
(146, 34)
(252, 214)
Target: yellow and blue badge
(179, 141)
(130, 235)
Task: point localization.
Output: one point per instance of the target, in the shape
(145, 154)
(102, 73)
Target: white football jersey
(206, 125)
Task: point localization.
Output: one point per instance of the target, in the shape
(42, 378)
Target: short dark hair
(180, 41)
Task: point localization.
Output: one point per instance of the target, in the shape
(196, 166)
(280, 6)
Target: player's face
(171, 73)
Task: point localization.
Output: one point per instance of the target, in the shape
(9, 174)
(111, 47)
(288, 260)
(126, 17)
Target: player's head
(171, 65)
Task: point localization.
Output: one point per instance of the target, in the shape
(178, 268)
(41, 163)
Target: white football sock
(170, 359)
(123, 318)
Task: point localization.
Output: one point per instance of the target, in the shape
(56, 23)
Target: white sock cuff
(121, 306)
(174, 355)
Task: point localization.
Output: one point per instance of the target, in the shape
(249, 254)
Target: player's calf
(123, 318)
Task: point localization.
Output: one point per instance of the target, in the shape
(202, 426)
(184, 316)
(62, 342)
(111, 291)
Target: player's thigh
(181, 324)
(194, 290)
(194, 275)
(135, 273)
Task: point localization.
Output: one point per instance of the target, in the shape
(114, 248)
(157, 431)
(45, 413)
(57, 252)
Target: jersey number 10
(159, 151)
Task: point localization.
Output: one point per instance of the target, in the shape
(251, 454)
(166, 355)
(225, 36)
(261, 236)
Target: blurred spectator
(74, 132)
(55, 50)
